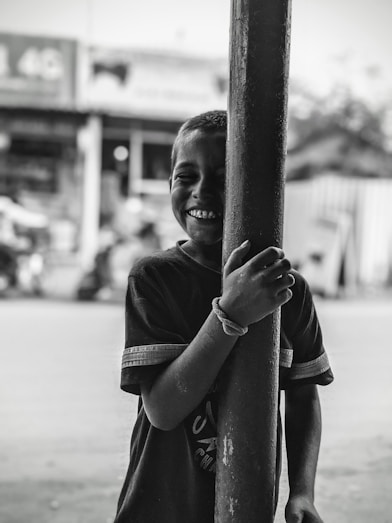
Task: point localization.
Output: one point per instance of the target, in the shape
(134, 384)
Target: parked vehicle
(23, 241)
(8, 268)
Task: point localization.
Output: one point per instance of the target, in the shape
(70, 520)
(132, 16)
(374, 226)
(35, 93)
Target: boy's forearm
(303, 435)
(186, 381)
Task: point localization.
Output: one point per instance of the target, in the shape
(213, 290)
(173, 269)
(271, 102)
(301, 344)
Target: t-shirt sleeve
(151, 340)
(310, 362)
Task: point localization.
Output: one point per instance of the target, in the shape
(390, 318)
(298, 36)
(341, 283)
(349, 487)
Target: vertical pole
(91, 191)
(248, 403)
(135, 161)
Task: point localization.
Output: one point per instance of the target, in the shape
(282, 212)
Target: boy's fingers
(284, 296)
(236, 258)
(283, 283)
(278, 269)
(266, 257)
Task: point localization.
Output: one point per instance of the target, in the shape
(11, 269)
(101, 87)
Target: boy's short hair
(209, 122)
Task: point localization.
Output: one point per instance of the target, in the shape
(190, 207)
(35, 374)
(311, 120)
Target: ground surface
(65, 424)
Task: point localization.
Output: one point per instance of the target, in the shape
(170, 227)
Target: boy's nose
(203, 188)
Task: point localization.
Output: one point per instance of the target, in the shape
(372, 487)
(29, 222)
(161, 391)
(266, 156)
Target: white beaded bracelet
(231, 328)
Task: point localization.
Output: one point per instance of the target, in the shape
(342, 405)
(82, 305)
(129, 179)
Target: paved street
(65, 425)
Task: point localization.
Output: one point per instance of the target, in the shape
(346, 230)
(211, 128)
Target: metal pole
(248, 403)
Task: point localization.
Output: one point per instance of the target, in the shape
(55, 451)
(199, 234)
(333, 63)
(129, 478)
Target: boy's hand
(255, 289)
(300, 509)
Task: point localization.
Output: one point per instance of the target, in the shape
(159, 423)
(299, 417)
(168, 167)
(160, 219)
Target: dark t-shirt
(171, 475)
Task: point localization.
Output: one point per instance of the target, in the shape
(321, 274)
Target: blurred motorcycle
(97, 278)
(113, 261)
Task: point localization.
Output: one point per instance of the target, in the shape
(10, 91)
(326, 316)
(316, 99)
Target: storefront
(39, 160)
(144, 97)
(84, 129)
(39, 155)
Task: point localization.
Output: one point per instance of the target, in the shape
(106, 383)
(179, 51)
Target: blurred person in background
(128, 251)
(123, 240)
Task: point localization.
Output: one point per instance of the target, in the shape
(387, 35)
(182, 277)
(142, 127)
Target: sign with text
(153, 85)
(37, 71)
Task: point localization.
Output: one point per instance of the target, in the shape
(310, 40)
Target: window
(156, 161)
(30, 164)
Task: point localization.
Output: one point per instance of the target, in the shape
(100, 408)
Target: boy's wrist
(230, 327)
(233, 316)
(227, 308)
(302, 489)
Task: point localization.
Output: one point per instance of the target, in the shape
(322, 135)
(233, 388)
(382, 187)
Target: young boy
(176, 344)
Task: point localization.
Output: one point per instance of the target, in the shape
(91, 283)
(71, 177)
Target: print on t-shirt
(201, 427)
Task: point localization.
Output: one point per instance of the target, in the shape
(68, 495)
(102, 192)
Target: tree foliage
(310, 114)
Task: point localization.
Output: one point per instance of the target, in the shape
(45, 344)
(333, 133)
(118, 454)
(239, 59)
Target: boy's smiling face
(197, 186)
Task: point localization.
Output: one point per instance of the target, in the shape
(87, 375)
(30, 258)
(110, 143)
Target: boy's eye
(185, 175)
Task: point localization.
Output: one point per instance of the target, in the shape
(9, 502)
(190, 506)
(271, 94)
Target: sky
(332, 40)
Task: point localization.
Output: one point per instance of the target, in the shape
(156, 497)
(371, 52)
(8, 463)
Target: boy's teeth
(203, 215)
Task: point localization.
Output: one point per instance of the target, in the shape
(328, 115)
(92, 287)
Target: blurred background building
(85, 139)
(86, 135)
